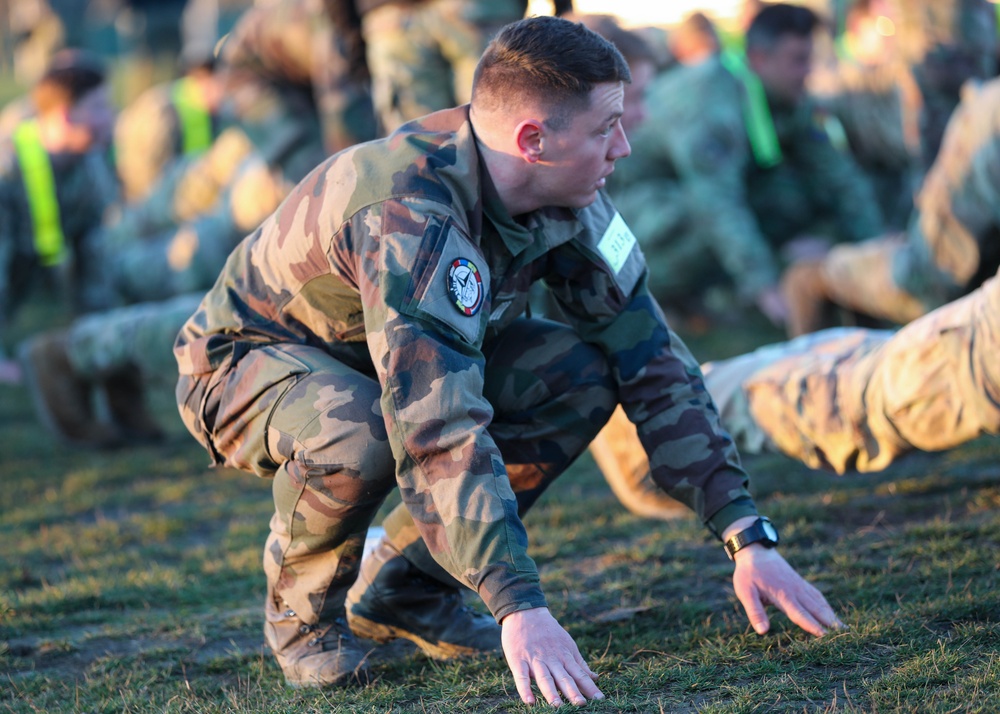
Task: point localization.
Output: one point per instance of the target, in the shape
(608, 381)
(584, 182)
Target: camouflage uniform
(878, 107)
(291, 87)
(422, 53)
(148, 137)
(849, 399)
(370, 334)
(85, 187)
(952, 241)
(945, 43)
(704, 211)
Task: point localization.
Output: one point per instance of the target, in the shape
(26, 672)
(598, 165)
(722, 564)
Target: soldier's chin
(583, 200)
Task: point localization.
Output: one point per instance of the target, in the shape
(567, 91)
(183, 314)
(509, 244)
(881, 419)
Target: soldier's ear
(528, 138)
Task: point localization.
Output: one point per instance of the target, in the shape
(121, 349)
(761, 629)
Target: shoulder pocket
(453, 284)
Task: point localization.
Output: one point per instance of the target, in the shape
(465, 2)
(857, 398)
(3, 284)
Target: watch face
(769, 530)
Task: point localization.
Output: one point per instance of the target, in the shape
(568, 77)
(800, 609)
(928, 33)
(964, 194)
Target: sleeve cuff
(728, 514)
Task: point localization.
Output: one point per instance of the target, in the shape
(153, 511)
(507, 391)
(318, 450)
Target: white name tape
(616, 243)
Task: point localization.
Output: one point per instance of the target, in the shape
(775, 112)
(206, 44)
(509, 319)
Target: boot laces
(328, 635)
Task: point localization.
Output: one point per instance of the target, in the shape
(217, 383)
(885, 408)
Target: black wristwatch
(760, 531)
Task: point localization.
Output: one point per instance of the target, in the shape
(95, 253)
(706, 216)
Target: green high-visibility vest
(757, 113)
(196, 122)
(40, 187)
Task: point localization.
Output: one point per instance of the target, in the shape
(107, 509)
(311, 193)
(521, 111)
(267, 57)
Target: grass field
(130, 581)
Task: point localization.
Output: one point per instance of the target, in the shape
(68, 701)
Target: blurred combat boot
(392, 598)
(622, 460)
(126, 398)
(804, 288)
(320, 655)
(63, 400)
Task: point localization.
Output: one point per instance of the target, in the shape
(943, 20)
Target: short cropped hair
(777, 21)
(631, 44)
(552, 61)
(71, 74)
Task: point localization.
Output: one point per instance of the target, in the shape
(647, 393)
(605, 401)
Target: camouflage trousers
(422, 55)
(850, 399)
(893, 277)
(314, 425)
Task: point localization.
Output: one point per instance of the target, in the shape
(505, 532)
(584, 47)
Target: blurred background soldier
(167, 121)
(422, 53)
(175, 241)
(55, 184)
(946, 43)
(736, 164)
(877, 101)
(296, 82)
(952, 241)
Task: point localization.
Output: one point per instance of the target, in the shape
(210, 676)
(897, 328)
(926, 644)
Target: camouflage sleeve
(661, 386)
(450, 472)
(834, 174)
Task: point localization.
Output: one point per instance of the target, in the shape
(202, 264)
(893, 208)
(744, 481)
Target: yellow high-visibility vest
(757, 113)
(40, 187)
(195, 119)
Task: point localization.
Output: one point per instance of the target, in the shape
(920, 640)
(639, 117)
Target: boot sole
(380, 632)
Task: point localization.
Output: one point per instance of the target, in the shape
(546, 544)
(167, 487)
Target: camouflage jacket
(85, 188)
(696, 137)
(295, 45)
(356, 261)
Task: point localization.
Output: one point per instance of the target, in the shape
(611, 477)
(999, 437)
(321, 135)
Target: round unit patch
(465, 285)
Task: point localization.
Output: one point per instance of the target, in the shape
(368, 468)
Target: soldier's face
(576, 161)
(635, 95)
(783, 68)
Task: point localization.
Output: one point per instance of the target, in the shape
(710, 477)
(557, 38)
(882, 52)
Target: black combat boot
(126, 396)
(392, 598)
(326, 654)
(63, 400)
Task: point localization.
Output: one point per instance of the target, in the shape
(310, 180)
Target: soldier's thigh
(296, 402)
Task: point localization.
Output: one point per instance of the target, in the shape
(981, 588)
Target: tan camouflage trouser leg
(314, 425)
(862, 402)
(859, 276)
(620, 455)
(851, 399)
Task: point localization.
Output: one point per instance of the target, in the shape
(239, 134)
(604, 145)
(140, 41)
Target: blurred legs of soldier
(330, 476)
(854, 399)
(422, 54)
(89, 381)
